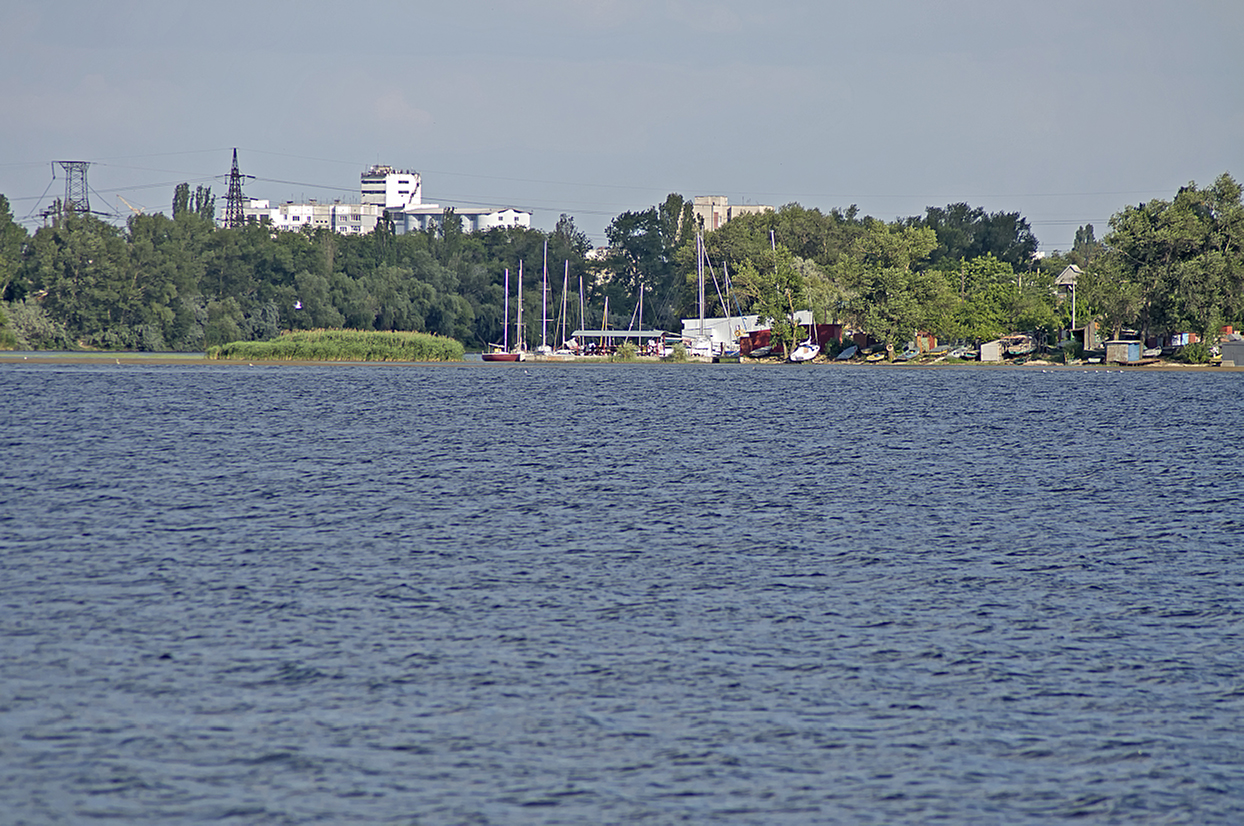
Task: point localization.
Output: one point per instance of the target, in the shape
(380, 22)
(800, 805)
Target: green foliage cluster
(889, 279)
(626, 352)
(183, 284)
(343, 345)
(1196, 353)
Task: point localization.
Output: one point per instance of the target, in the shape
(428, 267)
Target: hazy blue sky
(1065, 111)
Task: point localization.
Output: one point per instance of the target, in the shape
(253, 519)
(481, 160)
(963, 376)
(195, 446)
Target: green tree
(1184, 256)
(644, 251)
(80, 266)
(880, 270)
(966, 232)
(12, 240)
(774, 293)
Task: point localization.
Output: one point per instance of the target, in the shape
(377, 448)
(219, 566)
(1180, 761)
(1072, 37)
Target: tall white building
(392, 188)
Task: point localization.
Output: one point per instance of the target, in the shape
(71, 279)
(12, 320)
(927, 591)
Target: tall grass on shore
(343, 345)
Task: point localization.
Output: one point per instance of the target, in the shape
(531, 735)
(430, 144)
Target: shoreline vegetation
(342, 345)
(133, 358)
(1167, 271)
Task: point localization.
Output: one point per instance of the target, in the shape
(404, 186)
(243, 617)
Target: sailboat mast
(505, 323)
(565, 286)
(544, 300)
(699, 264)
(518, 324)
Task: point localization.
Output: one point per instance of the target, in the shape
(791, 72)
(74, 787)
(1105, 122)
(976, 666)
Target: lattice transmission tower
(235, 216)
(76, 198)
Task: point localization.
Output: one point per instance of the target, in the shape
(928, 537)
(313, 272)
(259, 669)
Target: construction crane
(133, 208)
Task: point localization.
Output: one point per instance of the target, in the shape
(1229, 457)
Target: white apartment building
(348, 219)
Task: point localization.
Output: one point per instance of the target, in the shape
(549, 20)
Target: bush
(626, 352)
(1195, 353)
(34, 329)
(678, 353)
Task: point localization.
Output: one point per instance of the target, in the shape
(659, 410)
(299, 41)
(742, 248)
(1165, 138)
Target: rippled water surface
(502, 594)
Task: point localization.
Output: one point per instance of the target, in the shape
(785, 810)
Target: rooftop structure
(391, 188)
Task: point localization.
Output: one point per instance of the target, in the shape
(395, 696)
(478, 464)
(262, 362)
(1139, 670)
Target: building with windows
(714, 211)
(385, 192)
(348, 219)
(392, 188)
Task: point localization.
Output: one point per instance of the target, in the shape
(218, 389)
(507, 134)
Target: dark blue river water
(495, 594)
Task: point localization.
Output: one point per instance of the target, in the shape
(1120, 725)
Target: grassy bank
(342, 345)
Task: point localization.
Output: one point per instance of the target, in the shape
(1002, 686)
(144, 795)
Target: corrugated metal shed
(1233, 354)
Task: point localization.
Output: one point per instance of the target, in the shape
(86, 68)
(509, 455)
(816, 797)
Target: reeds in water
(343, 345)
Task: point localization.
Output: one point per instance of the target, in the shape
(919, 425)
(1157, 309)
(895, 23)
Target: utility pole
(234, 214)
(76, 199)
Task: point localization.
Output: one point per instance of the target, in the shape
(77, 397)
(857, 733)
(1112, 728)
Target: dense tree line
(181, 283)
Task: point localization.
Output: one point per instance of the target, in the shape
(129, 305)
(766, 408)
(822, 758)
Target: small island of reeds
(343, 345)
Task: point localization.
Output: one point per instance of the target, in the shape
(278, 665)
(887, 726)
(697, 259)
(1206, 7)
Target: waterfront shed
(1122, 352)
(1233, 354)
(991, 351)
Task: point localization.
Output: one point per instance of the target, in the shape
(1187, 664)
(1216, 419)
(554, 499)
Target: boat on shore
(1019, 344)
(805, 351)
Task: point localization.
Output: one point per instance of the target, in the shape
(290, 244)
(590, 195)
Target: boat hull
(500, 356)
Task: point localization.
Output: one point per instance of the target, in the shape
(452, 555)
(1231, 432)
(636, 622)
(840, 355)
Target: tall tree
(12, 239)
(1186, 257)
(965, 232)
(882, 273)
(774, 290)
(643, 252)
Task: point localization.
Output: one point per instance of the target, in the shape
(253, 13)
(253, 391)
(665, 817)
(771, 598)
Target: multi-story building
(384, 191)
(348, 219)
(713, 211)
(392, 188)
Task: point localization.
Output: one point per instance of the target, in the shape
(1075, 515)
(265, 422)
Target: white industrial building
(384, 191)
(417, 219)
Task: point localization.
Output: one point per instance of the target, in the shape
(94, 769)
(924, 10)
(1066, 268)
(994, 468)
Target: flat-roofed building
(715, 211)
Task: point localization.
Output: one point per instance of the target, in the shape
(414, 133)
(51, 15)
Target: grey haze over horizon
(1063, 111)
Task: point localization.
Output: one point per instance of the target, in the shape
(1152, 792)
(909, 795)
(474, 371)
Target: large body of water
(494, 594)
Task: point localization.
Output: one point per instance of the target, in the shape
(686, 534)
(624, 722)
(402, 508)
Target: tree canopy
(182, 283)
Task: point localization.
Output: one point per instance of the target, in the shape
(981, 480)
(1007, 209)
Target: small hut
(1122, 352)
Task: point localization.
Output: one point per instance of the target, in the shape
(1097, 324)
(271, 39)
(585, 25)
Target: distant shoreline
(200, 359)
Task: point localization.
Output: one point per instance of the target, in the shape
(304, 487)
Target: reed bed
(343, 345)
